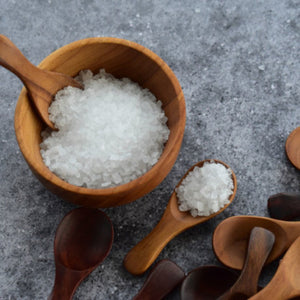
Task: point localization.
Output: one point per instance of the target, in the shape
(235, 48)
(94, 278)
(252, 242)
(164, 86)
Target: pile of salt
(110, 133)
(205, 190)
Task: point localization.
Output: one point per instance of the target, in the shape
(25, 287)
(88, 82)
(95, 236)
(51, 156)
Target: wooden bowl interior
(120, 58)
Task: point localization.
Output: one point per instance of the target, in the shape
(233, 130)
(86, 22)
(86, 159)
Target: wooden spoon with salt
(173, 222)
(42, 85)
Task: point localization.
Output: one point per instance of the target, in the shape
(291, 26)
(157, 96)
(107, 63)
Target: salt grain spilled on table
(110, 133)
(205, 190)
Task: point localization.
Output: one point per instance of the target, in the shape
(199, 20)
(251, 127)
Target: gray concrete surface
(238, 64)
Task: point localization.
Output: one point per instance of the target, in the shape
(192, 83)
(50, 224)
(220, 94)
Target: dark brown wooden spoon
(42, 85)
(284, 206)
(230, 238)
(292, 147)
(261, 242)
(83, 239)
(207, 283)
(162, 279)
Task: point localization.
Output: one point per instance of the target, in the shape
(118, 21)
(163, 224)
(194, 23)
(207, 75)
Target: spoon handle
(162, 279)
(12, 59)
(142, 255)
(260, 245)
(286, 282)
(284, 206)
(66, 282)
(40, 84)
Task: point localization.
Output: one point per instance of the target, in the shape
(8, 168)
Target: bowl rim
(123, 188)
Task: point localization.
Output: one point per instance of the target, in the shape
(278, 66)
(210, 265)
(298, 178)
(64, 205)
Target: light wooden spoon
(173, 222)
(292, 147)
(286, 282)
(231, 237)
(260, 244)
(42, 85)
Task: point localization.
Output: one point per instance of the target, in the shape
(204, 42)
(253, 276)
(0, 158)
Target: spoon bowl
(292, 147)
(284, 206)
(230, 238)
(207, 283)
(82, 241)
(173, 222)
(121, 58)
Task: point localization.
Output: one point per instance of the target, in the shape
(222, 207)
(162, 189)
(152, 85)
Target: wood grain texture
(121, 58)
(292, 147)
(172, 223)
(230, 238)
(260, 244)
(284, 206)
(285, 284)
(41, 85)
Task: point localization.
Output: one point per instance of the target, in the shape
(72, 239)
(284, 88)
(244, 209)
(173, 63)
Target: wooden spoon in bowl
(42, 85)
(230, 238)
(286, 282)
(83, 239)
(173, 222)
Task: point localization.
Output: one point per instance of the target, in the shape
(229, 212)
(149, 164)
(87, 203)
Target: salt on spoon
(173, 222)
(41, 85)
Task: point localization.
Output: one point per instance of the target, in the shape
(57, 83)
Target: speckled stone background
(238, 64)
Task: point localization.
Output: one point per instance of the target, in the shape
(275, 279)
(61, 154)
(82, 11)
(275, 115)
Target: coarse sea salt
(110, 133)
(205, 190)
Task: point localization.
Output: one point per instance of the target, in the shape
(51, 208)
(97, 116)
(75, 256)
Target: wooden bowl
(121, 58)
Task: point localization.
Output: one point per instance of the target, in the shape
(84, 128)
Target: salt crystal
(205, 190)
(110, 133)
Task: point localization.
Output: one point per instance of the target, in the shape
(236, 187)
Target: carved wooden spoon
(211, 282)
(83, 239)
(231, 236)
(261, 242)
(284, 206)
(173, 222)
(163, 278)
(42, 85)
(292, 147)
(286, 282)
